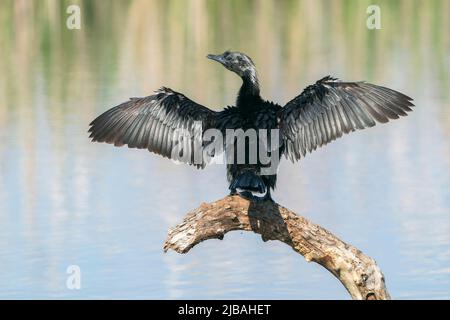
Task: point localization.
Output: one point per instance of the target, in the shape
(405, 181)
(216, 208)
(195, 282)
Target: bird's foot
(248, 195)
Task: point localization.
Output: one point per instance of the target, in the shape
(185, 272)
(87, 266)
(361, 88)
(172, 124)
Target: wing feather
(331, 108)
(151, 123)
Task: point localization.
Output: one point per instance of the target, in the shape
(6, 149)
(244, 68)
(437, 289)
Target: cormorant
(323, 112)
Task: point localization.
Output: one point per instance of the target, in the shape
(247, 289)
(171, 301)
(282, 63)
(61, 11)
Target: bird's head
(237, 62)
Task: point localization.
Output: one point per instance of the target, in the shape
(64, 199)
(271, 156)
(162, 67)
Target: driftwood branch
(359, 273)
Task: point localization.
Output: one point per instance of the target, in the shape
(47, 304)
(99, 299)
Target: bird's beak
(216, 57)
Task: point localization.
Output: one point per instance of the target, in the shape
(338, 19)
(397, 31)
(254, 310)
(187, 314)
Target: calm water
(66, 201)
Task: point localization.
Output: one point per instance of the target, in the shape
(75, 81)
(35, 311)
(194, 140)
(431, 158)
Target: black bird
(322, 113)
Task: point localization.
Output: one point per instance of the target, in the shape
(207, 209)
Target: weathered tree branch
(359, 274)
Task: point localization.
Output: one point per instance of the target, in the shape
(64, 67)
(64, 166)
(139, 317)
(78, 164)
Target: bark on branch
(359, 273)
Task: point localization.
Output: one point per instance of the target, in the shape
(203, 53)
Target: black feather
(330, 108)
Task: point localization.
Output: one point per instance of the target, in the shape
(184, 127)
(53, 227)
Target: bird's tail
(251, 186)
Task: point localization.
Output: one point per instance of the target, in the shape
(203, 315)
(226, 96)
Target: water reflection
(64, 200)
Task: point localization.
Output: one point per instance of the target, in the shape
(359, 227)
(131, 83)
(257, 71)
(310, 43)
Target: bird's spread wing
(330, 108)
(154, 123)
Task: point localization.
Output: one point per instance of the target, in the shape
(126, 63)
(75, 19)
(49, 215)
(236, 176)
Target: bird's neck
(249, 93)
